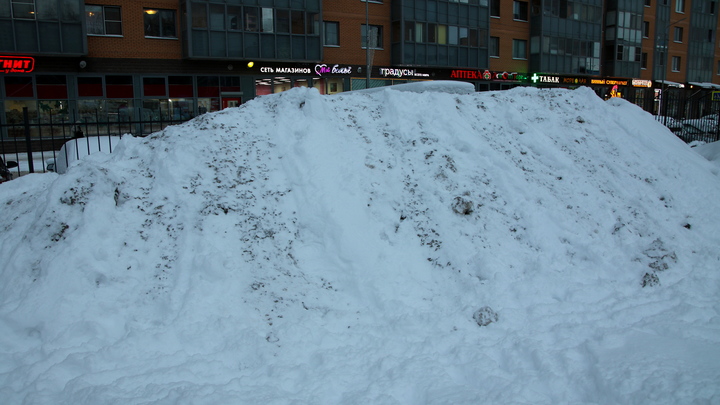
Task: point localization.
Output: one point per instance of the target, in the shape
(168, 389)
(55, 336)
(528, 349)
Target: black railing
(34, 141)
(31, 139)
(693, 117)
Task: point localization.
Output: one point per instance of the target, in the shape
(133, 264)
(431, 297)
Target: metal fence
(36, 143)
(690, 116)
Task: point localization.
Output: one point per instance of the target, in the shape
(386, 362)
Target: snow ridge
(386, 247)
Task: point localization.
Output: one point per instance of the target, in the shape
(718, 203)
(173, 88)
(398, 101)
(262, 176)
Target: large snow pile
(389, 247)
(711, 152)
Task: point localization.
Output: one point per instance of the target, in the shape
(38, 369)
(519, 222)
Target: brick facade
(133, 44)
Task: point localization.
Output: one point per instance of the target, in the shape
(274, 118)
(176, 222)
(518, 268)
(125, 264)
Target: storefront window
(263, 87)
(181, 109)
(154, 86)
(51, 87)
(206, 105)
(14, 116)
(46, 117)
(90, 86)
(18, 86)
(229, 84)
(104, 110)
(105, 117)
(156, 114)
(180, 86)
(281, 84)
(119, 110)
(119, 86)
(91, 110)
(329, 85)
(55, 116)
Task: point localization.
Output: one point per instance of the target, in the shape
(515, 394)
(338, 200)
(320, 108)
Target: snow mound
(711, 152)
(388, 247)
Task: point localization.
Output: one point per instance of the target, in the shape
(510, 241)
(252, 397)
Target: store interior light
(151, 12)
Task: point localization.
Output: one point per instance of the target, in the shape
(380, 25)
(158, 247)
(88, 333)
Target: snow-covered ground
(388, 247)
(711, 152)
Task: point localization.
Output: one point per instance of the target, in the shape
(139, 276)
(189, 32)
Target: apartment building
(174, 59)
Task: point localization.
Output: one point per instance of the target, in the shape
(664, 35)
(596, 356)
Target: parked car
(76, 149)
(5, 174)
(670, 122)
(701, 129)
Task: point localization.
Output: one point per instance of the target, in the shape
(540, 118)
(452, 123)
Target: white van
(76, 149)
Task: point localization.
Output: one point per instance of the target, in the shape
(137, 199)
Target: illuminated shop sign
(334, 70)
(641, 83)
(17, 64)
(536, 78)
(286, 70)
(584, 80)
(574, 80)
(485, 75)
(610, 82)
(390, 72)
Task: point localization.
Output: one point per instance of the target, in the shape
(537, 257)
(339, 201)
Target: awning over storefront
(669, 83)
(706, 85)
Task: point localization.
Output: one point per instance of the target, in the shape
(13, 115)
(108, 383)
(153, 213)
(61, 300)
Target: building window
(678, 34)
(374, 34)
(675, 63)
(520, 10)
(679, 6)
(103, 20)
(297, 22)
(419, 32)
(494, 47)
(646, 29)
(268, 19)
(282, 21)
(154, 87)
(251, 19)
(647, 3)
(217, 17)
(24, 9)
(90, 86)
(644, 60)
(494, 8)
(199, 15)
(312, 24)
(519, 49)
(331, 33)
(159, 23)
(234, 18)
(718, 68)
(432, 33)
